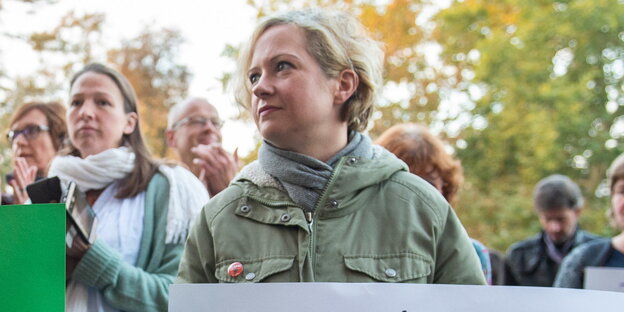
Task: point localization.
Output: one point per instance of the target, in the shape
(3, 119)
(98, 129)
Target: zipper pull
(309, 215)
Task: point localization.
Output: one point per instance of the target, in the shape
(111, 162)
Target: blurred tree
(72, 41)
(149, 62)
(26, 1)
(13, 90)
(61, 51)
(546, 80)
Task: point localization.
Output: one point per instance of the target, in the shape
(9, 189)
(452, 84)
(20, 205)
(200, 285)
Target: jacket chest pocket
(402, 267)
(270, 269)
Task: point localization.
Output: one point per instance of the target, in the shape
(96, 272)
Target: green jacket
(374, 222)
(144, 287)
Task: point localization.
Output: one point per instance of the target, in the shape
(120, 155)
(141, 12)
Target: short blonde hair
(337, 41)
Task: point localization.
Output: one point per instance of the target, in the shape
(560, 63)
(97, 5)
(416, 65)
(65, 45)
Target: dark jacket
(528, 264)
(572, 271)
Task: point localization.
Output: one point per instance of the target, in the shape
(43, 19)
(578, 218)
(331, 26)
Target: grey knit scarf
(304, 177)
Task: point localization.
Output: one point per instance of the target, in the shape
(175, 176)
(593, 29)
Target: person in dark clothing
(497, 259)
(605, 252)
(535, 261)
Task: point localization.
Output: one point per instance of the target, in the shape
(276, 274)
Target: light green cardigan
(144, 287)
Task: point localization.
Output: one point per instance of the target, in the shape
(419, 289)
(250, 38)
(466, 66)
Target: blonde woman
(321, 203)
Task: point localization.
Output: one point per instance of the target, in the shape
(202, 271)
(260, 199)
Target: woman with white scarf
(143, 209)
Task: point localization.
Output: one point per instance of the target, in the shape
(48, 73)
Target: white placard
(386, 297)
(604, 278)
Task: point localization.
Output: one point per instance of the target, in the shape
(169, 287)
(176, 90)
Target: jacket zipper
(310, 216)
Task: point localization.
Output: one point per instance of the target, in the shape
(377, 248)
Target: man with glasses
(194, 132)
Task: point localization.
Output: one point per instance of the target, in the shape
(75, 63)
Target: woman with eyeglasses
(37, 132)
(143, 208)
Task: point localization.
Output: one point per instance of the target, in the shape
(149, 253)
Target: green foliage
(501, 218)
(74, 38)
(13, 92)
(505, 214)
(547, 71)
(149, 63)
(49, 81)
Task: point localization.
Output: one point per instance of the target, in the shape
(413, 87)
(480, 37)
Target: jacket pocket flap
(254, 270)
(390, 268)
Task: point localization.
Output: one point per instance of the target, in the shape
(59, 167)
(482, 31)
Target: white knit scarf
(187, 194)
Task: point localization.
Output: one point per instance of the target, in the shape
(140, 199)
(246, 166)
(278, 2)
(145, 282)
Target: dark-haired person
(37, 131)
(603, 252)
(535, 261)
(143, 208)
(322, 203)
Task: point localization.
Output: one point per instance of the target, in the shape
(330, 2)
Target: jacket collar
(538, 252)
(350, 175)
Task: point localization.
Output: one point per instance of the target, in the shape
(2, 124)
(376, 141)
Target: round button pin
(235, 269)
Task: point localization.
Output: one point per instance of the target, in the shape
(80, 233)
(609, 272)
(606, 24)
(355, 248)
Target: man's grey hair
(176, 110)
(555, 192)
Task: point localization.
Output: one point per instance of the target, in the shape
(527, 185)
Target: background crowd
(444, 68)
(102, 116)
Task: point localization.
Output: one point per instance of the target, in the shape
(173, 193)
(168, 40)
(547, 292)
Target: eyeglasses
(198, 121)
(30, 132)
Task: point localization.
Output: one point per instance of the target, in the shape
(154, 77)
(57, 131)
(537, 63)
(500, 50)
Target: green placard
(32, 257)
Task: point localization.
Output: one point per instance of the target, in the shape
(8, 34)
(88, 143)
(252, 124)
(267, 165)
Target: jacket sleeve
(125, 286)
(197, 264)
(456, 260)
(570, 274)
(508, 275)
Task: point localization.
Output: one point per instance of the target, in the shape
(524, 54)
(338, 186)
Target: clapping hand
(24, 174)
(218, 167)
